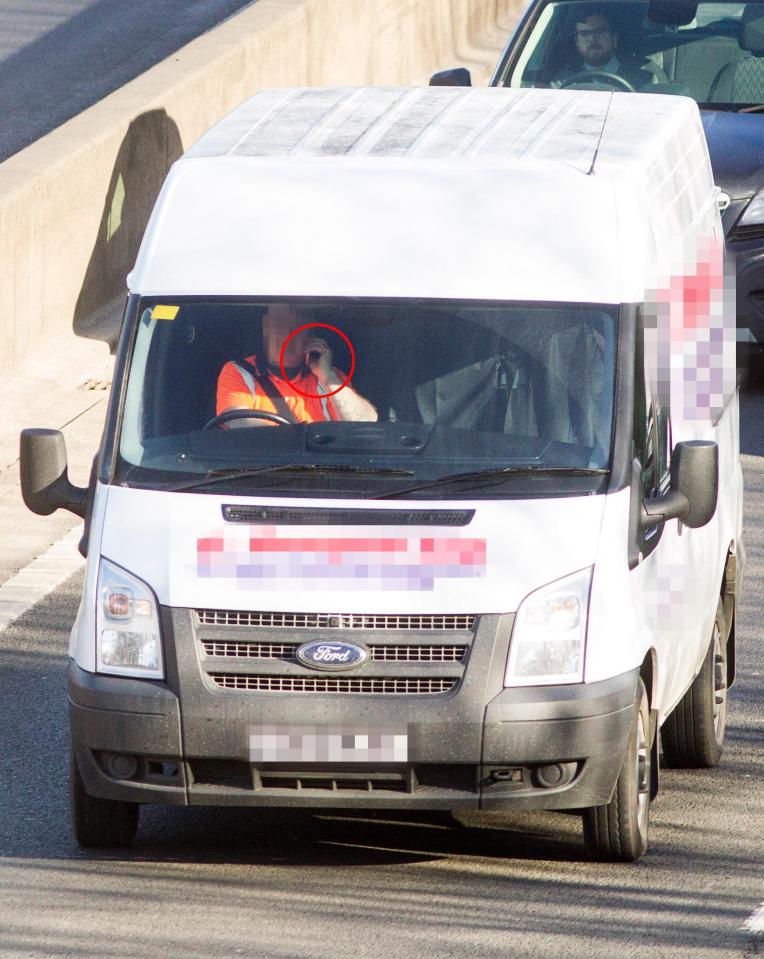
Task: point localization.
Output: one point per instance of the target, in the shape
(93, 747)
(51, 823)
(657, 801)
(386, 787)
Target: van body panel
(336, 204)
(622, 626)
(82, 639)
(181, 546)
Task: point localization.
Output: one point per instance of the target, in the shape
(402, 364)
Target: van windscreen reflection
(366, 397)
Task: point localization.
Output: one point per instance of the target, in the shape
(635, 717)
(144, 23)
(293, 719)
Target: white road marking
(40, 577)
(754, 925)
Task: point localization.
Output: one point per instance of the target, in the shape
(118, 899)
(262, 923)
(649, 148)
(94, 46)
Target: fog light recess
(121, 766)
(554, 775)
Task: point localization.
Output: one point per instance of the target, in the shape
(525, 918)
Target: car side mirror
(694, 487)
(45, 485)
(455, 77)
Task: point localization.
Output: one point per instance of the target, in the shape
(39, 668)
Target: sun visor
(674, 13)
(752, 35)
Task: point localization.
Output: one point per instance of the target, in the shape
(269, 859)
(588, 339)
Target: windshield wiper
(492, 476)
(756, 108)
(290, 470)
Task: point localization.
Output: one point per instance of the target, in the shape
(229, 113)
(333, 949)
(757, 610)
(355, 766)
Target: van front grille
(418, 654)
(379, 654)
(409, 686)
(233, 617)
(250, 650)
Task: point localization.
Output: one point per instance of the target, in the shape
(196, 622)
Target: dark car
(712, 52)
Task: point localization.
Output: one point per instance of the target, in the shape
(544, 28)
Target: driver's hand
(318, 356)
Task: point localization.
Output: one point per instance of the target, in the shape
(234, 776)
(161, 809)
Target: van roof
(431, 191)
(442, 123)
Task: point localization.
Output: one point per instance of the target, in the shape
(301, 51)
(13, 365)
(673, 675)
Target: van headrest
(752, 35)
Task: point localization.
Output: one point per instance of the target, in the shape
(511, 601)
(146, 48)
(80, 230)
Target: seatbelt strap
(269, 388)
(502, 394)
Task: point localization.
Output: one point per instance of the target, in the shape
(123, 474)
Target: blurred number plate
(328, 744)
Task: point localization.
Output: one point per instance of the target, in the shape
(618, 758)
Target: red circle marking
(343, 384)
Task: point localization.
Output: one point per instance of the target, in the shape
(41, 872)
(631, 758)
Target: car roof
(431, 192)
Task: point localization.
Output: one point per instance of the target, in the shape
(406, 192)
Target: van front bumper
(542, 747)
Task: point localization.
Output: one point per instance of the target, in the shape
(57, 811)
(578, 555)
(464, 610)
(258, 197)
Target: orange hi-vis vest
(238, 389)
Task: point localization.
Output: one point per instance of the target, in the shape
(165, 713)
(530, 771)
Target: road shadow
(323, 838)
(150, 147)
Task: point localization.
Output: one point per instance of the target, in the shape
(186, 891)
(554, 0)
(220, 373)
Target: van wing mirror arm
(649, 515)
(639, 522)
(673, 505)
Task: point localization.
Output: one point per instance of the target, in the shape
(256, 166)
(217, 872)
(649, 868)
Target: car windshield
(713, 53)
(367, 398)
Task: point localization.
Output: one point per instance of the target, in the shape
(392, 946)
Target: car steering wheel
(227, 415)
(611, 78)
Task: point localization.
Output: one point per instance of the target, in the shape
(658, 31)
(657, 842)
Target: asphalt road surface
(58, 57)
(230, 883)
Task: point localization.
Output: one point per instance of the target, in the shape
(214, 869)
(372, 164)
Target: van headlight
(128, 637)
(549, 633)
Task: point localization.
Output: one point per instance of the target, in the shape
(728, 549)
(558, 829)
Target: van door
(679, 578)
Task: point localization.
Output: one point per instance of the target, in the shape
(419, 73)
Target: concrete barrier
(74, 205)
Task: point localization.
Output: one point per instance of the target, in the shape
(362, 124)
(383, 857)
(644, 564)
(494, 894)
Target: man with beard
(597, 46)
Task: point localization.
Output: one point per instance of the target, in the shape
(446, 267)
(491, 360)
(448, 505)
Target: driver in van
(597, 45)
(257, 383)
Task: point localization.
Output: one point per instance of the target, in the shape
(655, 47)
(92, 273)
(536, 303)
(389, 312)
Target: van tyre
(693, 735)
(99, 823)
(617, 832)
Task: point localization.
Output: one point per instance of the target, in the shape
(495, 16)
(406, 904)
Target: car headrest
(752, 34)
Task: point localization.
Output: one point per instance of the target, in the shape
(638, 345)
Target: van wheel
(617, 832)
(693, 735)
(99, 823)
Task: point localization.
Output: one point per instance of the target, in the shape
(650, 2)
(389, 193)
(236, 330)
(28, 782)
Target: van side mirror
(694, 487)
(455, 77)
(45, 485)
(692, 497)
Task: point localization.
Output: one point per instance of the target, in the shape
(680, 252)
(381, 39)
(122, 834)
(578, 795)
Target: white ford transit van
(420, 482)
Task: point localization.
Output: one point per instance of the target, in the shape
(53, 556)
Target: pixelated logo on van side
(690, 334)
(268, 559)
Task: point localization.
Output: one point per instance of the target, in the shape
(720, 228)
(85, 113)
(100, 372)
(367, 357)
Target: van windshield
(368, 398)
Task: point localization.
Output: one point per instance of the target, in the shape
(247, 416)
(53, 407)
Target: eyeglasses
(599, 34)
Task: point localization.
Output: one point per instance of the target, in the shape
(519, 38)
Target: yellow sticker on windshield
(164, 312)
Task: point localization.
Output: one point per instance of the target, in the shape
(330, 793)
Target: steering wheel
(227, 415)
(611, 78)
(659, 74)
